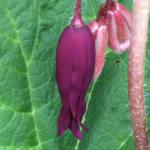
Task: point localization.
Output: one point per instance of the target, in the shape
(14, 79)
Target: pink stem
(136, 72)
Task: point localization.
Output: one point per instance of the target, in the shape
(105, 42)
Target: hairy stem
(136, 72)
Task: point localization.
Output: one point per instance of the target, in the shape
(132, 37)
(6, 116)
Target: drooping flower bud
(118, 20)
(75, 60)
(112, 26)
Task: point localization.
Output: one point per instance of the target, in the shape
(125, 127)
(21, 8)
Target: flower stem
(136, 72)
(77, 12)
(109, 2)
(104, 9)
(77, 20)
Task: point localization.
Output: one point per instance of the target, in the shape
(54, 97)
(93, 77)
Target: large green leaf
(29, 98)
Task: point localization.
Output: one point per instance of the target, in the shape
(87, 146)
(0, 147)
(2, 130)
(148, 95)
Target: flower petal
(100, 47)
(93, 25)
(64, 120)
(119, 33)
(125, 13)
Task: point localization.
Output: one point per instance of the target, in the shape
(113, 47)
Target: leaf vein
(13, 23)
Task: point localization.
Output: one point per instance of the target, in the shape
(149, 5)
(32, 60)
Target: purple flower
(75, 60)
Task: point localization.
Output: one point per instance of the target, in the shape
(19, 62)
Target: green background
(29, 98)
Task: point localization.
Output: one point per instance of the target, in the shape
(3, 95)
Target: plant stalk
(77, 12)
(136, 72)
(77, 20)
(109, 2)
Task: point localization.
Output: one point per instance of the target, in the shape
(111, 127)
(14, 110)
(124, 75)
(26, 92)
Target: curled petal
(119, 32)
(100, 47)
(125, 13)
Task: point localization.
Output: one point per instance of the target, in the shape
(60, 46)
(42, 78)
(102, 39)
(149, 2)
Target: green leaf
(29, 98)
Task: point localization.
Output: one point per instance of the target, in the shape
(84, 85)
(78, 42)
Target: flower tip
(60, 132)
(79, 135)
(84, 127)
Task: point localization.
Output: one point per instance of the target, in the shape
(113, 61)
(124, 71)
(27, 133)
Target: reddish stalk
(136, 72)
(104, 9)
(109, 2)
(77, 12)
(77, 20)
